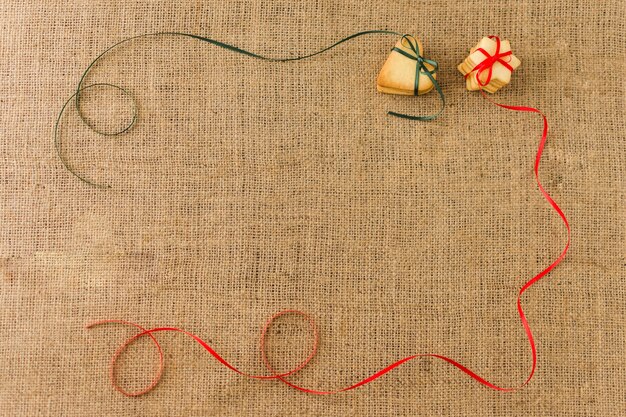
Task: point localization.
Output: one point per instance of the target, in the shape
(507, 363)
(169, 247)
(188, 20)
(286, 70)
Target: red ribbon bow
(487, 64)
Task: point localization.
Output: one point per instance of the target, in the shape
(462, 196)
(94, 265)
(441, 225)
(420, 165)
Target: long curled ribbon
(420, 68)
(282, 376)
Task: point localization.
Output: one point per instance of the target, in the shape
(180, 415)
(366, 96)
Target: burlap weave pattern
(247, 187)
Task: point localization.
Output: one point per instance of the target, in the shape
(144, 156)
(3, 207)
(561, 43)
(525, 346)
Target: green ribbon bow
(420, 68)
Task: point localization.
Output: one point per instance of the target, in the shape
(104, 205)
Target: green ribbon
(420, 69)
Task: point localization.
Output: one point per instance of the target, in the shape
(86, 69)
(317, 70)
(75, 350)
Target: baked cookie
(500, 73)
(397, 76)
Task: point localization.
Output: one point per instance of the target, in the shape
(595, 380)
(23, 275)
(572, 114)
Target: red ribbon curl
(484, 66)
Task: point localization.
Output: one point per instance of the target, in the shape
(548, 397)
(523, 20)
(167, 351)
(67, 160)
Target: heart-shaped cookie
(397, 76)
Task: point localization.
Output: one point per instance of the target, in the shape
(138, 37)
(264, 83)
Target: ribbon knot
(489, 61)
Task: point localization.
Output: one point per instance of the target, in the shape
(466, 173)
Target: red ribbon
(487, 64)
(281, 376)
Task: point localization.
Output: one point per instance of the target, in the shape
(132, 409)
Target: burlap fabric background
(247, 187)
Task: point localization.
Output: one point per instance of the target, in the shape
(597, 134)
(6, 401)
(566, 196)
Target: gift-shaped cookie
(489, 65)
(406, 72)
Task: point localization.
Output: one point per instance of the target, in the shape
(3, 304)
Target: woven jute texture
(248, 187)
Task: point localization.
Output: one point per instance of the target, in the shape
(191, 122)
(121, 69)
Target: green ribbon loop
(420, 68)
